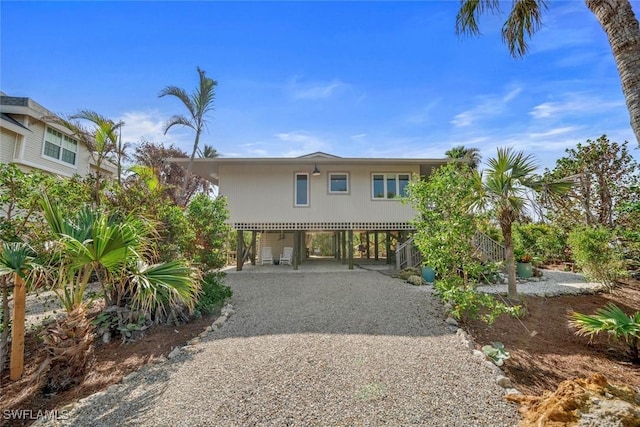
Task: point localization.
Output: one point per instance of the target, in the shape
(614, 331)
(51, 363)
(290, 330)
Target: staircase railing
(489, 247)
(408, 255)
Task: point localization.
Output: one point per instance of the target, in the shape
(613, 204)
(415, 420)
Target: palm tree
(104, 143)
(209, 152)
(470, 155)
(525, 18)
(199, 103)
(503, 189)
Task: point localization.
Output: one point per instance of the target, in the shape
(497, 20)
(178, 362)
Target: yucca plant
(612, 320)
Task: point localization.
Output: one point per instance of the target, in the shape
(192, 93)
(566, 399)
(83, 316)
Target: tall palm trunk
(187, 175)
(621, 26)
(510, 259)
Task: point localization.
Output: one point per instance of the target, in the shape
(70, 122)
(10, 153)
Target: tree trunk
(623, 31)
(510, 260)
(17, 329)
(187, 174)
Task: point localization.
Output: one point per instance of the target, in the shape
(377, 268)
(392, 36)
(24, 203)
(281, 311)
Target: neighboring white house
(288, 199)
(30, 142)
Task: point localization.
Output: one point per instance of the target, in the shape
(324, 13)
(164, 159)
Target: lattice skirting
(322, 226)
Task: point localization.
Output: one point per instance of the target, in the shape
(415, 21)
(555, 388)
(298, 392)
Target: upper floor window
(301, 190)
(60, 147)
(389, 185)
(338, 183)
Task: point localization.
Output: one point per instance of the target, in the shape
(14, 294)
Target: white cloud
(574, 104)
(315, 90)
(488, 106)
(149, 125)
(358, 136)
(300, 143)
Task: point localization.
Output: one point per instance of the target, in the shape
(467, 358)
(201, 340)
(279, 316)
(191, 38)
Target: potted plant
(524, 268)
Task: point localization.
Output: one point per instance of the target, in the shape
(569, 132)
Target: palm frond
(524, 20)
(161, 284)
(470, 11)
(610, 319)
(180, 120)
(16, 258)
(182, 95)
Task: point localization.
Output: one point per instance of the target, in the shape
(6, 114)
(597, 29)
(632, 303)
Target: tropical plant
(445, 226)
(612, 320)
(496, 352)
(16, 259)
(209, 152)
(525, 18)
(470, 156)
(607, 180)
(596, 252)
(207, 216)
(198, 104)
(170, 175)
(503, 190)
(214, 292)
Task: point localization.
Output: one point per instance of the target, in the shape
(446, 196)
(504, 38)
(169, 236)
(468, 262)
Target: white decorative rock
(451, 321)
(220, 321)
(174, 353)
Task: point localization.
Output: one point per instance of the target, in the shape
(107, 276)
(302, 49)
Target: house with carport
(283, 202)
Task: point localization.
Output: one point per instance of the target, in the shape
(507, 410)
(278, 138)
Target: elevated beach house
(356, 203)
(29, 139)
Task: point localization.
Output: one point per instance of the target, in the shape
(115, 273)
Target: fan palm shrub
(115, 250)
(612, 320)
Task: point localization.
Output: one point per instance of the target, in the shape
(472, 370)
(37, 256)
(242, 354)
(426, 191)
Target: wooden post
(339, 245)
(388, 246)
(253, 247)
(344, 246)
(350, 249)
(375, 243)
(17, 329)
(240, 251)
(296, 249)
(368, 245)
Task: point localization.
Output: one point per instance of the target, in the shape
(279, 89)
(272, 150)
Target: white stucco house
(283, 201)
(30, 142)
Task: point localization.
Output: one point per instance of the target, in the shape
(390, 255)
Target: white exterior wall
(265, 193)
(7, 144)
(274, 241)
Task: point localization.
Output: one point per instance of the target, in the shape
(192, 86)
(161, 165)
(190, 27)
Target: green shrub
(408, 272)
(597, 255)
(213, 293)
(469, 304)
(542, 241)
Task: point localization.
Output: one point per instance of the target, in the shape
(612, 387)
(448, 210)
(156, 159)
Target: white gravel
(552, 283)
(314, 349)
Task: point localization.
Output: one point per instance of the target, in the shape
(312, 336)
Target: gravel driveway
(347, 349)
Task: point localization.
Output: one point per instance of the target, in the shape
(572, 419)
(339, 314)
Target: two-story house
(284, 200)
(31, 141)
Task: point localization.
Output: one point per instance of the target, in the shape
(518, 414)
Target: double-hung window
(389, 185)
(60, 147)
(301, 190)
(338, 183)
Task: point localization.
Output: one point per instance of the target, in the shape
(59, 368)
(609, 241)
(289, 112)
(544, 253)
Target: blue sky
(355, 79)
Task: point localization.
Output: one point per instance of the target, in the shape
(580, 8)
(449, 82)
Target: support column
(368, 245)
(388, 246)
(344, 246)
(296, 249)
(254, 235)
(350, 249)
(240, 251)
(375, 243)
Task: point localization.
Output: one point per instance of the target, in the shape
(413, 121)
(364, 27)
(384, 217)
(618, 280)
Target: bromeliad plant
(612, 320)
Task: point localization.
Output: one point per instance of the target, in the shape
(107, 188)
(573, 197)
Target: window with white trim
(301, 189)
(389, 185)
(338, 183)
(59, 146)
